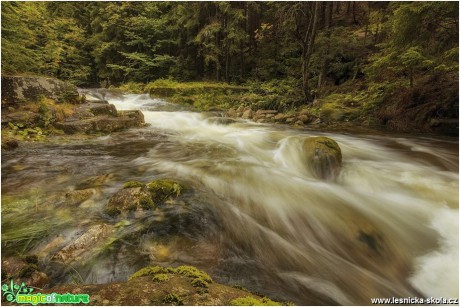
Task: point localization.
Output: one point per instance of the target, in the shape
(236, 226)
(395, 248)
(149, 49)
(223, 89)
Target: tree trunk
(307, 49)
(325, 58)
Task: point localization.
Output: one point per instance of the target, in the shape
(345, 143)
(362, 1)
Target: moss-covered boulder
(323, 157)
(165, 286)
(136, 195)
(164, 188)
(130, 199)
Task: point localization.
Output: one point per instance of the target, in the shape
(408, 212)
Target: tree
(302, 18)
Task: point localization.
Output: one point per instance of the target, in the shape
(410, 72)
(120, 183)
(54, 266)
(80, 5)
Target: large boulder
(166, 286)
(323, 157)
(17, 89)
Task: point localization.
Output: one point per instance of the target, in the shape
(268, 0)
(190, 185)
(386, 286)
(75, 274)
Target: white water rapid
(388, 226)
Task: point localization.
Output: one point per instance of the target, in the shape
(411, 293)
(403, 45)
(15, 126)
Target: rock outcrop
(17, 89)
(100, 117)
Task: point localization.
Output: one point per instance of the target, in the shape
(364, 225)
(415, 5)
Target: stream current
(253, 214)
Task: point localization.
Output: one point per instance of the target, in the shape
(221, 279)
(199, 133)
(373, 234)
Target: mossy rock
(173, 299)
(323, 157)
(160, 277)
(133, 184)
(193, 272)
(252, 301)
(164, 188)
(129, 199)
(151, 271)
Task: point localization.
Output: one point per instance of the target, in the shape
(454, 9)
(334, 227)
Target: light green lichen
(162, 189)
(193, 272)
(150, 271)
(160, 277)
(199, 283)
(172, 299)
(252, 301)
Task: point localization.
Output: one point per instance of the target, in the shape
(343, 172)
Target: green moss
(164, 188)
(193, 272)
(133, 184)
(172, 299)
(251, 301)
(160, 277)
(146, 202)
(112, 211)
(199, 283)
(150, 271)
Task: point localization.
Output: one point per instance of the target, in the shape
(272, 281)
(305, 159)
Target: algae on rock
(323, 157)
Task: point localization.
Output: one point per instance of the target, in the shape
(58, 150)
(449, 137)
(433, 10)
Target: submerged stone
(129, 199)
(87, 242)
(323, 157)
(25, 270)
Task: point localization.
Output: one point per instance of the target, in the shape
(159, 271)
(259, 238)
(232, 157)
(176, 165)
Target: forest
(387, 57)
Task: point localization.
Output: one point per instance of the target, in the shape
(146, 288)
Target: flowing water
(253, 214)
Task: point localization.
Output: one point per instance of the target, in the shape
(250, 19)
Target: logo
(21, 294)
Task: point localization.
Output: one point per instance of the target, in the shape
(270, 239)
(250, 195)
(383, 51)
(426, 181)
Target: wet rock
(94, 181)
(87, 242)
(104, 124)
(323, 157)
(164, 188)
(280, 117)
(130, 199)
(248, 114)
(78, 196)
(232, 112)
(9, 144)
(24, 270)
(101, 118)
(299, 123)
(137, 196)
(221, 120)
(103, 109)
(163, 286)
(16, 89)
(304, 119)
(136, 116)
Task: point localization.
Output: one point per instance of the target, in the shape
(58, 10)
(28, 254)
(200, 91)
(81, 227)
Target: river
(254, 215)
